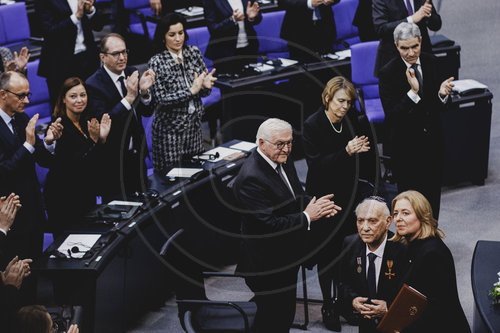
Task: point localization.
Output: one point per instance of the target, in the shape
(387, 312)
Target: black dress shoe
(330, 318)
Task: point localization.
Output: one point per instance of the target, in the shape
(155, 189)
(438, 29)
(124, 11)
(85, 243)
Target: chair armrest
(36, 39)
(221, 303)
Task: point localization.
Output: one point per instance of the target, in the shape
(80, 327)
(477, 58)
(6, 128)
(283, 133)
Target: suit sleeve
(52, 27)
(213, 23)
(98, 102)
(10, 165)
(434, 22)
(346, 278)
(394, 103)
(383, 26)
(254, 200)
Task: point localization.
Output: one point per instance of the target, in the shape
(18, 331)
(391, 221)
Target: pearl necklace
(337, 131)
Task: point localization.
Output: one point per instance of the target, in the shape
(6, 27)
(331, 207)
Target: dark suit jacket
(59, 35)
(272, 214)
(415, 130)
(105, 98)
(364, 21)
(17, 174)
(387, 14)
(432, 272)
(224, 32)
(354, 283)
(71, 186)
(298, 26)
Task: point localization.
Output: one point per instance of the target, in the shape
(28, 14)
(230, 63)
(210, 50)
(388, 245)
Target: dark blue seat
(347, 33)
(362, 64)
(39, 101)
(139, 9)
(147, 123)
(14, 25)
(268, 33)
(200, 37)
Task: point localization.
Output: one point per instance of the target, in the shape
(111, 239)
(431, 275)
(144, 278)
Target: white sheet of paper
(469, 84)
(223, 153)
(183, 172)
(344, 54)
(195, 10)
(125, 203)
(244, 145)
(263, 68)
(84, 242)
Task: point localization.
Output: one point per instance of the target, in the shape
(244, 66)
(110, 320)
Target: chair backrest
(343, 13)
(200, 37)
(362, 66)
(39, 102)
(268, 32)
(135, 24)
(14, 25)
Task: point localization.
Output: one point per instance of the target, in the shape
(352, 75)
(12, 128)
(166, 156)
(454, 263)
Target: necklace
(336, 130)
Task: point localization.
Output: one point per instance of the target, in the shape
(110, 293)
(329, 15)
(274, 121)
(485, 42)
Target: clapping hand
(105, 127)
(252, 10)
(238, 16)
(8, 210)
(322, 207)
(54, 132)
(155, 6)
(422, 12)
(197, 83)
(14, 273)
(30, 130)
(446, 87)
(19, 61)
(147, 79)
(88, 4)
(412, 80)
(209, 80)
(358, 145)
(94, 129)
(132, 85)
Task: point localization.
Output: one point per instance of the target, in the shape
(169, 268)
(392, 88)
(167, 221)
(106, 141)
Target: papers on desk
(343, 54)
(84, 242)
(464, 87)
(261, 68)
(244, 145)
(125, 203)
(284, 62)
(183, 172)
(190, 11)
(223, 153)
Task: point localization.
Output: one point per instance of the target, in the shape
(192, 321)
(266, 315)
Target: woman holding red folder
(431, 269)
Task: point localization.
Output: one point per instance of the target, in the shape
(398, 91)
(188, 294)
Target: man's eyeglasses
(280, 144)
(20, 96)
(118, 53)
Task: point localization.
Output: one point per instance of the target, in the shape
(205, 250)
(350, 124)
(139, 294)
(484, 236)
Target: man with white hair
(373, 265)
(413, 97)
(276, 216)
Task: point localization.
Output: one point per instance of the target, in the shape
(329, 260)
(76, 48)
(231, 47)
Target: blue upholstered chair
(268, 33)
(347, 34)
(147, 123)
(39, 102)
(138, 10)
(14, 25)
(362, 64)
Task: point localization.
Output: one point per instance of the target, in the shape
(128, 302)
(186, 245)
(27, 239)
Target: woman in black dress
(72, 182)
(338, 153)
(431, 269)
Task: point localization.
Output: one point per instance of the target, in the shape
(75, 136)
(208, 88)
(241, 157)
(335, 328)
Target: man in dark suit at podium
(115, 88)
(387, 14)
(413, 96)
(276, 216)
(372, 267)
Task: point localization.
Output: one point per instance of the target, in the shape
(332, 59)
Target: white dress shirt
(242, 40)
(379, 252)
(80, 39)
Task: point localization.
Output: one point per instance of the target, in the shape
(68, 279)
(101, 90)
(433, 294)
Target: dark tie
(419, 78)
(278, 170)
(133, 128)
(372, 285)
(410, 9)
(317, 12)
(123, 86)
(15, 128)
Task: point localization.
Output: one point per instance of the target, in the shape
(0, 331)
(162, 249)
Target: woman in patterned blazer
(181, 80)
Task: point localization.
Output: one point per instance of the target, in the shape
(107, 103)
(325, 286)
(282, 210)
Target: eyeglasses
(20, 96)
(280, 144)
(117, 54)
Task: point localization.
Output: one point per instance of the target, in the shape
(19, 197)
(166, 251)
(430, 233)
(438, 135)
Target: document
(183, 172)
(81, 242)
(244, 145)
(343, 54)
(125, 203)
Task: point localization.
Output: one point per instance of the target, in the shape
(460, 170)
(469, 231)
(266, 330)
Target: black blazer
(387, 14)
(105, 98)
(271, 213)
(298, 26)
(59, 34)
(364, 21)
(432, 272)
(354, 283)
(224, 32)
(71, 186)
(17, 174)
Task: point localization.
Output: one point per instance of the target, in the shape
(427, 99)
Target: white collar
(409, 65)
(379, 252)
(175, 56)
(6, 118)
(114, 77)
(267, 159)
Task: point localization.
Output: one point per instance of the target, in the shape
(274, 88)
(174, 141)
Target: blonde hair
(423, 210)
(336, 84)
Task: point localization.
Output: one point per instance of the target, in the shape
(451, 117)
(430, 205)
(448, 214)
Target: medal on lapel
(389, 274)
(359, 269)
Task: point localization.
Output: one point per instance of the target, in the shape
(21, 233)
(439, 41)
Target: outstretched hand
(105, 127)
(209, 80)
(446, 87)
(54, 132)
(412, 80)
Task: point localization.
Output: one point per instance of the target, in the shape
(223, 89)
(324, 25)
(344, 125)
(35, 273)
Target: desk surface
(485, 265)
